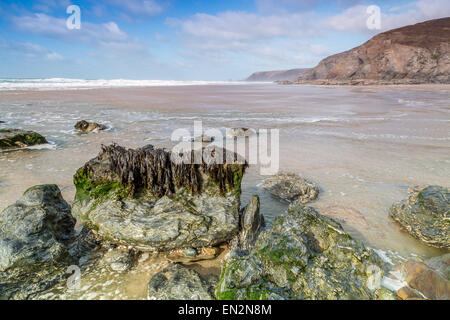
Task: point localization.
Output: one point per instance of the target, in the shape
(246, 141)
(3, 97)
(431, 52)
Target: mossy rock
(303, 256)
(16, 138)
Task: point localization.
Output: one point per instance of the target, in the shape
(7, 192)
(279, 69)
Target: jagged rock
(239, 132)
(35, 235)
(16, 138)
(425, 215)
(86, 127)
(176, 282)
(250, 224)
(303, 256)
(426, 280)
(141, 198)
(291, 188)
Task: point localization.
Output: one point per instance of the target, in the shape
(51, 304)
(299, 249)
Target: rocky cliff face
(280, 75)
(413, 54)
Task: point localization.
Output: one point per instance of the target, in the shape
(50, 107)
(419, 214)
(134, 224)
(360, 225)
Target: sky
(189, 40)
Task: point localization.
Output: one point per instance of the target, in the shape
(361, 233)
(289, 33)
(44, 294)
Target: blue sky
(188, 40)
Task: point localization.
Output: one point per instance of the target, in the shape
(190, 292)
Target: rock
(425, 215)
(411, 54)
(239, 132)
(2, 121)
(291, 188)
(406, 293)
(16, 138)
(188, 255)
(428, 280)
(120, 260)
(303, 256)
(140, 198)
(250, 224)
(176, 282)
(34, 242)
(202, 138)
(86, 127)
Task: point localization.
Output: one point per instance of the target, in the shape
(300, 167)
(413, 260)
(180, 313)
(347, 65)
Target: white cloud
(28, 50)
(107, 36)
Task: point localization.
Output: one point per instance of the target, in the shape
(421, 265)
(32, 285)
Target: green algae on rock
(143, 199)
(425, 215)
(303, 256)
(16, 138)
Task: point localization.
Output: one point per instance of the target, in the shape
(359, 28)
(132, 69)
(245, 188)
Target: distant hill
(280, 75)
(418, 53)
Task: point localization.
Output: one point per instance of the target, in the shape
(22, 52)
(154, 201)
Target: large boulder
(177, 282)
(303, 256)
(291, 188)
(85, 127)
(141, 198)
(16, 138)
(425, 215)
(35, 234)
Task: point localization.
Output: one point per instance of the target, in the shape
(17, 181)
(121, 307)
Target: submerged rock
(250, 224)
(239, 132)
(86, 127)
(141, 198)
(35, 235)
(16, 138)
(426, 280)
(176, 282)
(425, 215)
(291, 188)
(303, 256)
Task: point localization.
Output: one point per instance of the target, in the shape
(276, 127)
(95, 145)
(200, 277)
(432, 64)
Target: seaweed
(152, 169)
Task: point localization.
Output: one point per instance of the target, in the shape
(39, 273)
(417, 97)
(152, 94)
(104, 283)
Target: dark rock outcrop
(16, 138)
(303, 256)
(176, 282)
(86, 127)
(35, 242)
(251, 223)
(291, 188)
(418, 53)
(425, 215)
(140, 198)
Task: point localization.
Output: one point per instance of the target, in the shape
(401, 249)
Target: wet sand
(364, 146)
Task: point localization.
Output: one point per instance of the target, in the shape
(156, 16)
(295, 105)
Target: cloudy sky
(188, 40)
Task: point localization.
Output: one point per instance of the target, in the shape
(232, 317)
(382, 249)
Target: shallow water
(364, 146)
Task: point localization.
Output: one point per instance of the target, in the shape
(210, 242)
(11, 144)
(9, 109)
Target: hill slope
(418, 53)
(280, 75)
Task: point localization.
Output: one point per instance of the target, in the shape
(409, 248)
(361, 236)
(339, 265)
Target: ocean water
(364, 146)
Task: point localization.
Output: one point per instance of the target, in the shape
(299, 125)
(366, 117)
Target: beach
(364, 146)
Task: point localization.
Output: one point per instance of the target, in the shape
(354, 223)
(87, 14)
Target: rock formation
(180, 283)
(303, 256)
(16, 138)
(291, 188)
(425, 215)
(86, 127)
(141, 198)
(418, 53)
